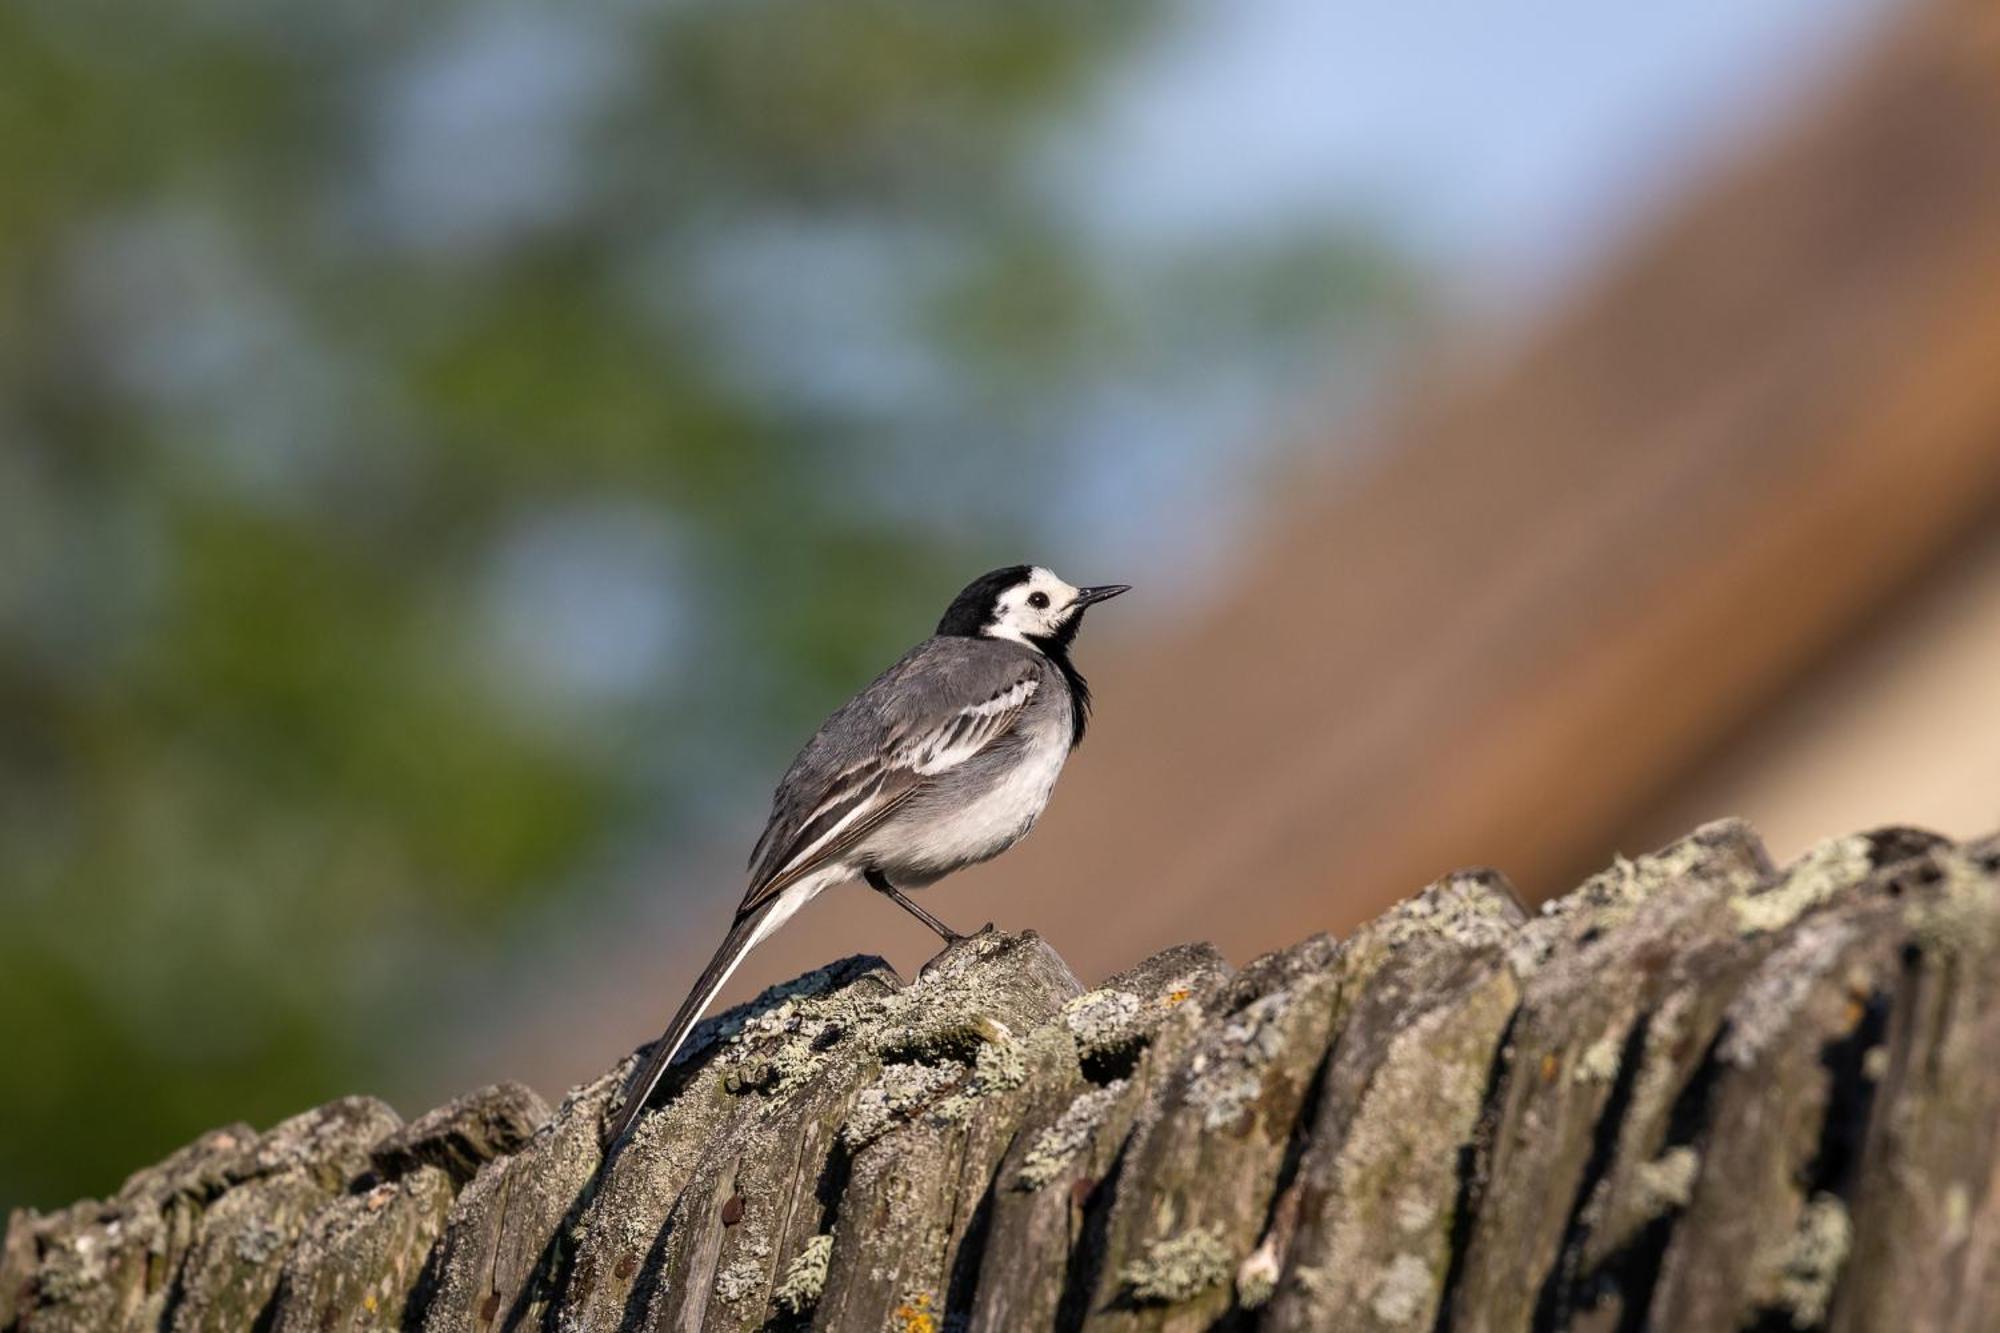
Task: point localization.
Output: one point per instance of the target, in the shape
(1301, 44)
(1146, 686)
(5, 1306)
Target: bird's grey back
(924, 688)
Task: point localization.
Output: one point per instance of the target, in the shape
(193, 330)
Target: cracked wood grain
(1698, 1092)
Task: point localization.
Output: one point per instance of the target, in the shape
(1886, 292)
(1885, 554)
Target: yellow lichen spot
(369, 1303)
(1668, 1181)
(1177, 997)
(1813, 1260)
(914, 1314)
(1600, 1062)
(1957, 1213)
(1551, 1066)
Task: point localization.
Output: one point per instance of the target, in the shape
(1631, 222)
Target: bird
(943, 761)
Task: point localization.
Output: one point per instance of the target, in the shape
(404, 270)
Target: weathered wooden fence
(1697, 1093)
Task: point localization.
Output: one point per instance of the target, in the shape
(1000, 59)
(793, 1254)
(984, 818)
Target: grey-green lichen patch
(329, 1143)
(999, 1066)
(947, 1032)
(761, 1070)
(640, 1190)
(805, 1278)
(1404, 1291)
(788, 1034)
(232, 1271)
(1177, 1268)
(1393, 1178)
(932, 1034)
(1959, 916)
(74, 1265)
(259, 1240)
(222, 1253)
(1106, 1020)
(1726, 851)
(752, 1076)
(1821, 875)
(943, 1093)
(1765, 1008)
(1468, 909)
(861, 1060)
(1162, 984)
(665, 1152)
(776, 1009)
(361, 1257)
(1811, 1264)
(973, 994)
(1667, 1182)
(1112, 1025)
(897, 1096)
(783, 1044)
(943, 1041)
(1227, 1075)
(739, 1281)
(1055, 1147)
(1661, 1075)
(1415, 1214)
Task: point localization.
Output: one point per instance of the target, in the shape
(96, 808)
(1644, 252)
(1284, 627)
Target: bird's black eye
(1039, 600)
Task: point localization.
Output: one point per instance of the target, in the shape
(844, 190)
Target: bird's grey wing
(876, 752)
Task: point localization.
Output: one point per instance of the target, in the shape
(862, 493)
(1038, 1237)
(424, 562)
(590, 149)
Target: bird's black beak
(1102, 593)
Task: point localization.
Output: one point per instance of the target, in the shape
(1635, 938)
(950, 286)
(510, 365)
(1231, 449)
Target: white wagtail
(944, 761)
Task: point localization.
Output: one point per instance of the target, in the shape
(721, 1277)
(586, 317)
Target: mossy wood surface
(1698, 1093)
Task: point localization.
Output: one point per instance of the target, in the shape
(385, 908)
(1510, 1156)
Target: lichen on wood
(1699, 1092)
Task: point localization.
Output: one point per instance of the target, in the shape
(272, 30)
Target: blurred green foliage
(439, 443)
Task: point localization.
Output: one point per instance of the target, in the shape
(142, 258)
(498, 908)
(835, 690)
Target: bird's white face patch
(1037, 606)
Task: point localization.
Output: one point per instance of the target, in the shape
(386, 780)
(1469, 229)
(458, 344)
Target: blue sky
(1508, 147)
(1506, 141)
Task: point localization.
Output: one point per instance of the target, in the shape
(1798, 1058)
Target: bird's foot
(954, 944)
(953, 939)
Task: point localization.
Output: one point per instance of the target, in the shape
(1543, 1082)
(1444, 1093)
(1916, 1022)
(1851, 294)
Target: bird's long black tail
(742, 937)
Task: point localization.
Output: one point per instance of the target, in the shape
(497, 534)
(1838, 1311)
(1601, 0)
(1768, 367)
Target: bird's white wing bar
(970, 730)
(863, 795)
(855, 795)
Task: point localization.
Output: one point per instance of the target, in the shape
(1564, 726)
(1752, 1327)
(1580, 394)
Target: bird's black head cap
(972, 610)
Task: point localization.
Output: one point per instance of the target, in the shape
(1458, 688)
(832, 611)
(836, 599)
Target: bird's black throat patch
(1055, 647)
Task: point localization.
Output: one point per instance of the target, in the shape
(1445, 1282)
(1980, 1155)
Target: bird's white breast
(989, 821)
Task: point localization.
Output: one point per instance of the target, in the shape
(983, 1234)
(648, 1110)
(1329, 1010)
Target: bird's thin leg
(880, 882)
